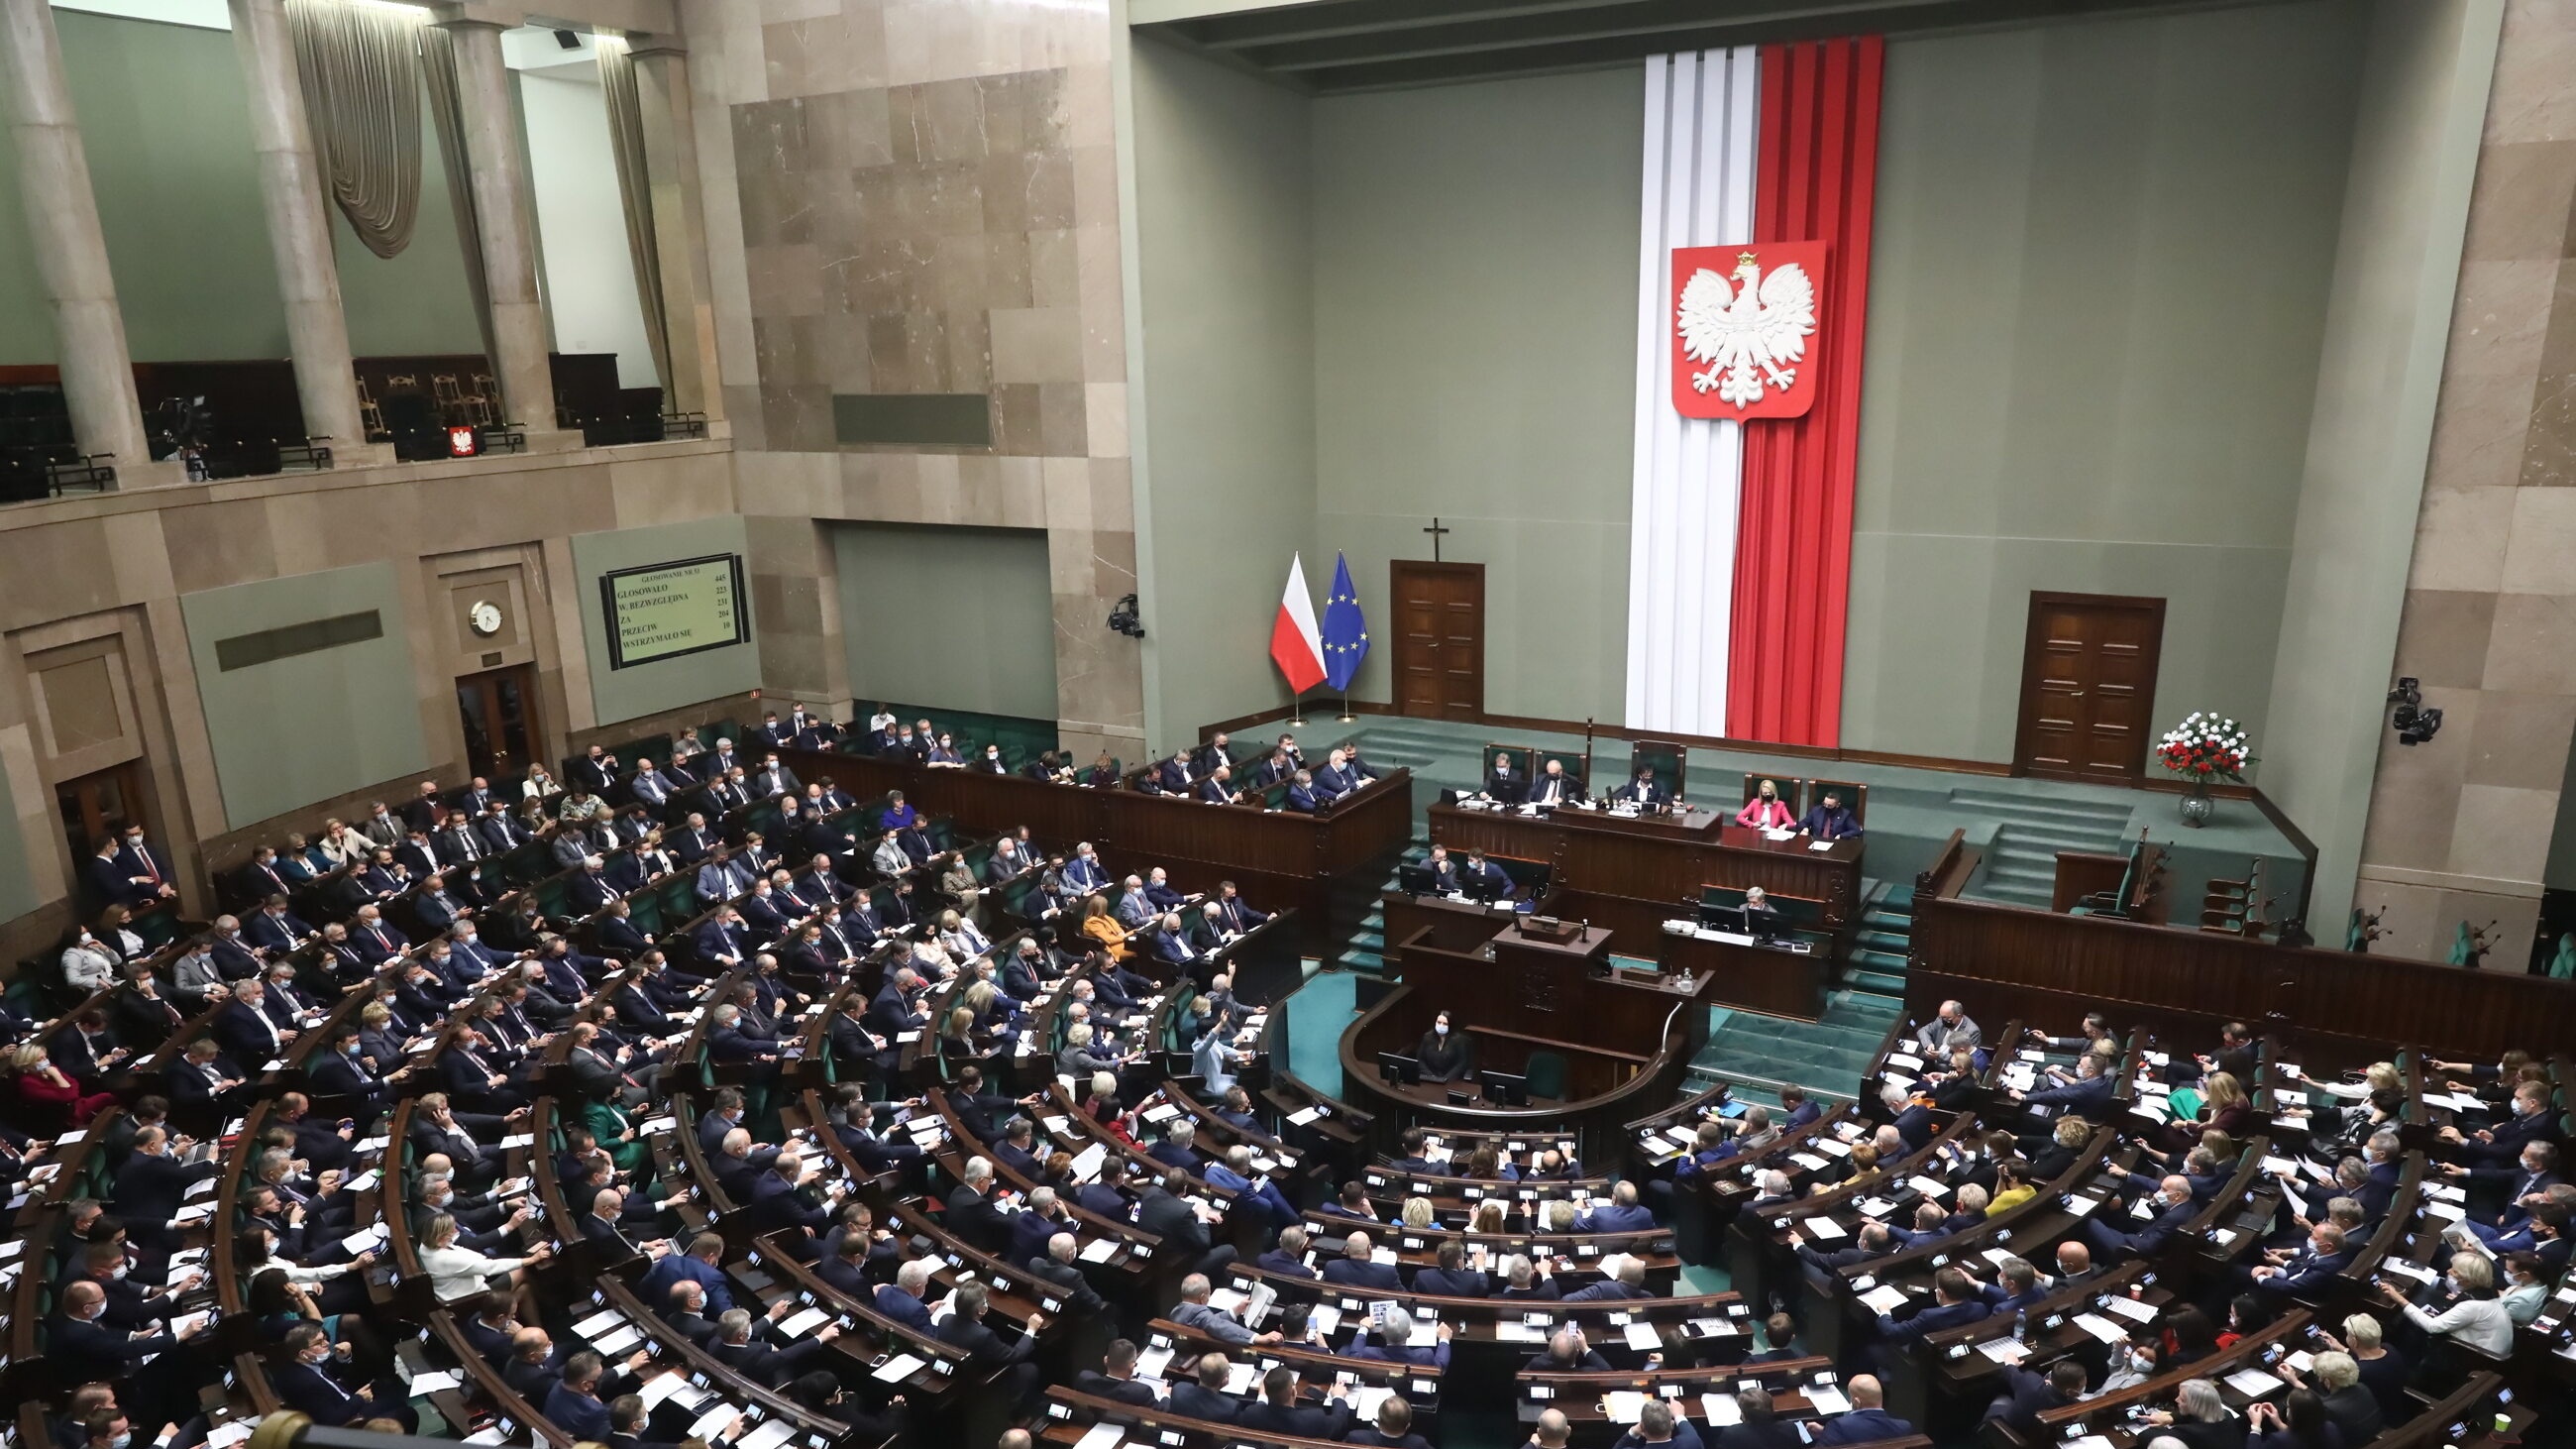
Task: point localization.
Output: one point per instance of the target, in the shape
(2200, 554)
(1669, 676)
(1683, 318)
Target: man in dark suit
(244, 1029)
(85, 1350)
(576, 1405)
(1172, 777)
(1830, 819)
(1643, 790)
(2088, 1096)
(2172, 1207)
(2027, 1395)
(1481, 877)
(2305, 1273)
(1116, 1378)
(1554, 787)
(745, 1344)
(1015, 1376)
(1869, 1416)
(972, 1215)
(1280, 1413)
(153, 1182)
(1203, 1396)
(1450, 1275)
(1355, 1269)
(1163, 1212)
(308, 1385)
(1395, 1344)
(145, 869)
(1956, 1301)
(1289, 1257)
(1303, 796)
(1059, 1263)
(1504, 783)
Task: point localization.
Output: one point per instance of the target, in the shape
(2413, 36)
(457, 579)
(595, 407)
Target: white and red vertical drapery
(1740, 533)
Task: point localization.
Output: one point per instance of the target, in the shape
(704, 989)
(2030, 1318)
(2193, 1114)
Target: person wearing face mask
(88, 964)
(154, 1181)
(2501, 1145)
(990, 762)
(86, 1349)
(1442, 1055)
(2477, 1318)
(309, 1383)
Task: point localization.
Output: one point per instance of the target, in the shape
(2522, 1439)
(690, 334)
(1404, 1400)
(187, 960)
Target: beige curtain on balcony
(635, 192)
(360, 66)
(447, 114)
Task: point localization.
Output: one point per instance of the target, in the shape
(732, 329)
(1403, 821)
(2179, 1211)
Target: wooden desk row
(1277, 857)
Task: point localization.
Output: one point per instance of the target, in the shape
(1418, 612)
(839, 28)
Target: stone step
(2012, 806)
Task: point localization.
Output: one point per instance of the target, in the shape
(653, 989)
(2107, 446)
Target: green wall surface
(1224, 215)
(642, 689)
(1475, 262)
(310, 726)
(17, 890)
(2097, 301)
(959, 617)
(166, 126)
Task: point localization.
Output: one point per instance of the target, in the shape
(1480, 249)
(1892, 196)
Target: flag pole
(1297, 709)
(1347, 716)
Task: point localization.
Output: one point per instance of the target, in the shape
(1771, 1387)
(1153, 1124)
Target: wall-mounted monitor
(664, 611)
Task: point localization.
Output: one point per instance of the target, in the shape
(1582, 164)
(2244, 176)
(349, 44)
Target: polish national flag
(1296, 646)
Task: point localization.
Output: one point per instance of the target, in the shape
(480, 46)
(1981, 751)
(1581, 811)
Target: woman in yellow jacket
(1103, 927)
(2010, 1190)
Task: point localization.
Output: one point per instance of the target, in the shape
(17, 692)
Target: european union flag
(1345, 630)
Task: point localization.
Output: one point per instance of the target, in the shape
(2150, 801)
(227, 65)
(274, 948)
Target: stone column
(71, 248)
(292, 190)
(679, 226)
(506, 215)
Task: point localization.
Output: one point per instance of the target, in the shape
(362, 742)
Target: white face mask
(1442, 1029)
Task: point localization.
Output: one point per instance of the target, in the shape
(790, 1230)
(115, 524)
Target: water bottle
(2021, 1325)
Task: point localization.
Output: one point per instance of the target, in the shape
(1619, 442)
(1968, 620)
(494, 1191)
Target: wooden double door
(1439, 639)
(2088, 687)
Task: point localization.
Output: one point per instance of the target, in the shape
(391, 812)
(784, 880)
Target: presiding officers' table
(1633, 873)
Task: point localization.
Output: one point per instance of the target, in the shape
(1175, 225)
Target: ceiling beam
(1643, 21)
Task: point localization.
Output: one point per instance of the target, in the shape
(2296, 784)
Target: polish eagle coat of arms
(1740, 335)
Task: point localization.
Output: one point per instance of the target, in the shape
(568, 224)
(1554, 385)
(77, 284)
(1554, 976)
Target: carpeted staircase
(1756, 1053)
(2021, 861)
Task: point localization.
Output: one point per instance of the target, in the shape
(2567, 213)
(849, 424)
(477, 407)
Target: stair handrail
(1951, 866)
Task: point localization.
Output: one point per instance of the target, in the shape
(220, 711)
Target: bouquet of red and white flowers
(2205, 747)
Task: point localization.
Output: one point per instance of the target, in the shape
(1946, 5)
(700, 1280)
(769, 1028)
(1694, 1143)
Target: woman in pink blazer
(1766, 810)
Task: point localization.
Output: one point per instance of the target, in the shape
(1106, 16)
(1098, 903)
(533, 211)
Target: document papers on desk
(2253, 1383)
(896, 1369)
(1826, 1399)
(2131, 1309)
(1101, 1436)
(1642, 1336)
(1776, 836)
(2100, 1327)
(1885, 1298)
(1623, 1406)
(1823, 1229)
(1723, 1410)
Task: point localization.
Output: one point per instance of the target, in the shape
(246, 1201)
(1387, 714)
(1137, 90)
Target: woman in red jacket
(1766, 810)
(43, 1095)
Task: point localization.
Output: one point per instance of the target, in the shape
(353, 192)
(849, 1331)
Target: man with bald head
(1355, 1268)
(1060, 1264)
(1552, 1431)
(1869, 1416)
